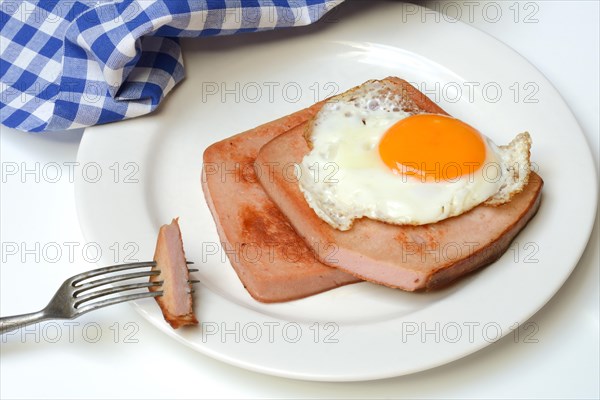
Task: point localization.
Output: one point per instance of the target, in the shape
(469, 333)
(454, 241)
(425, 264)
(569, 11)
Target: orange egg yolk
(432, 147)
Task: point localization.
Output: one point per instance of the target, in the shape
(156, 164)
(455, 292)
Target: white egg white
(343, 177)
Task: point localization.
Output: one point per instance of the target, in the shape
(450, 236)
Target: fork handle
(8, 324)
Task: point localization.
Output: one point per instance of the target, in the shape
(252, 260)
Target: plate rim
(85, 231)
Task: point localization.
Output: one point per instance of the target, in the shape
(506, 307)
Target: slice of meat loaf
(405, 257)
(176, 303)
(271, 260)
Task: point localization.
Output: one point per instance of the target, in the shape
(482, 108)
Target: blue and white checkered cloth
(70, 64)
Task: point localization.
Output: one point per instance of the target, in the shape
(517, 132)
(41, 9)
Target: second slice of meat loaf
(271, 260)
(399, 256)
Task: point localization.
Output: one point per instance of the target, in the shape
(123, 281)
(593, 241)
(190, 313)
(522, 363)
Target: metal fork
(75, 297)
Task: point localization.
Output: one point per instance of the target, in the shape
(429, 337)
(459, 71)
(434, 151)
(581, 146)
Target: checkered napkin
(70, 64)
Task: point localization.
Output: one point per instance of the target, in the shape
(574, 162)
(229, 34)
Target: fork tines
(83, 285)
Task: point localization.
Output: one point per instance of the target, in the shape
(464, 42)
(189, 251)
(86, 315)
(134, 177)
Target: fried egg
(374, 155)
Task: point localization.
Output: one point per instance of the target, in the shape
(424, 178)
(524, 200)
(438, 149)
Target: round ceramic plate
(151, 173)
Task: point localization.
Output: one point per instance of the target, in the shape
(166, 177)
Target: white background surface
(563, 44)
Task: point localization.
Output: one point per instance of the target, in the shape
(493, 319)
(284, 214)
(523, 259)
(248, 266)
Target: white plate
(360, 331)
